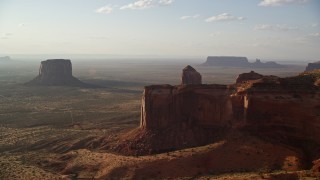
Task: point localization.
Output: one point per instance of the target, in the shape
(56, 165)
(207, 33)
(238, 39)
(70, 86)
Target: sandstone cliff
(282, 109)
(56, 72)
(207, 105)
(285, 114)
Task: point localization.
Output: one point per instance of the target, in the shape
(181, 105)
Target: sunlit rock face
(313, 66)
(203, 105)
(56, 72)
(191, 76)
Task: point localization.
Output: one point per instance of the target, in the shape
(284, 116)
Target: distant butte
(191, 76)
(56, 72)
(5, 58)
(313, 66)
(233, 61)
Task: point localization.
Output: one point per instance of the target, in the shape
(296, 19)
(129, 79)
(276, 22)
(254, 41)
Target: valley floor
(61, 133)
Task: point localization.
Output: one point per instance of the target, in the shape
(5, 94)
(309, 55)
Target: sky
(267, 29)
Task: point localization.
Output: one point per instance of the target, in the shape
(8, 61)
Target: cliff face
(56, 72)
(283, 112)
(175, 117)
(230, 61)
(200, 105)
(313, 66)
(284, 109)
(283, 115)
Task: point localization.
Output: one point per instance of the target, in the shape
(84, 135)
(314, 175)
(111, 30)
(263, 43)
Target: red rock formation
(284, 109)
(175, 117)
(207, 105)
(190, 76)
(283, 115)
(248, 76)
(287, 108)
(316, 168)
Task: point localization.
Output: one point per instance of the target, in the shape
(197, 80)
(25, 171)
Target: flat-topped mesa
(227, 61)
(248, 77)
(232, 61)
(56, 72)
(313, 66)
(191, 76)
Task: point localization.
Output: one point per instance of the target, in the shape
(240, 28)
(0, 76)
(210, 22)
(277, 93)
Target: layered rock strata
(283, 109)
(204, 105)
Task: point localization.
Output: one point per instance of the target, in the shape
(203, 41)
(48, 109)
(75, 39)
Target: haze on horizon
(285, 29)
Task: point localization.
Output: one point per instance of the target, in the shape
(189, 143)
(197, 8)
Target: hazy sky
(286, 29)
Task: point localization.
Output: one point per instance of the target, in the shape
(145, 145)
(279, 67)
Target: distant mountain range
(5, 58)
